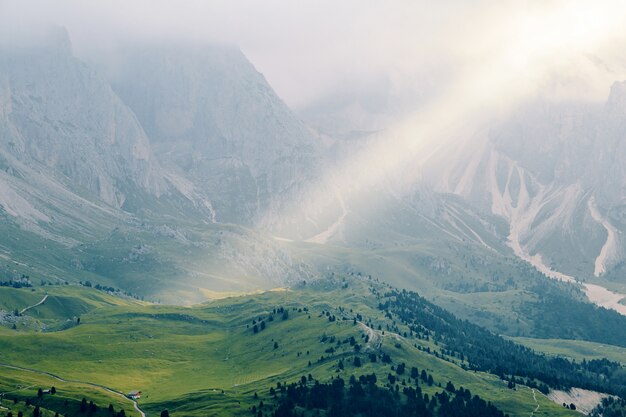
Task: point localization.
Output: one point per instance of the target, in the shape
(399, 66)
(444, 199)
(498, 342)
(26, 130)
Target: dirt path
(375, 341)
(376, 336)
(43, 300)
(18, 390)
(58, 378)
(536, 402)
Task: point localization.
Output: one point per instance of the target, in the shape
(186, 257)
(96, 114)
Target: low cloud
(312, 50)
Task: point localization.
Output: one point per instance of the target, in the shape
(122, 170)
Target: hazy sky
(309, 49)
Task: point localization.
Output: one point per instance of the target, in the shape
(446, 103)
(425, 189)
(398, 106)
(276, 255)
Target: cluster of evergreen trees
(66, 408)
(610, 407)
(362, 396)
(23, 282)
(557, 315)
(555, 310)
(259, 323)
(489, 352)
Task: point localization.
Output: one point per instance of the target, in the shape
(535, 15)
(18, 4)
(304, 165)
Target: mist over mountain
(62, 116)
(213, 120)
(156, 130)
(80, 164)
(333, 209)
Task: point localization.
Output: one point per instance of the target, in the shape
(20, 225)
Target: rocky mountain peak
(616, 104)
(61, 115)
(44, 39)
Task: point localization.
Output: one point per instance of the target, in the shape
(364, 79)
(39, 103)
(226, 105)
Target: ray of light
(526, 49)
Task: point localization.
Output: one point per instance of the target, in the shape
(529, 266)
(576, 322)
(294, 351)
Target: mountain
(179, 173)
(213, 120)
(555, 172)
(58, 115)
(135, 188)
(88, 193)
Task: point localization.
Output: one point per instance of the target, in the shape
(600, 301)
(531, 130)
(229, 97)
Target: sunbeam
(525, 50)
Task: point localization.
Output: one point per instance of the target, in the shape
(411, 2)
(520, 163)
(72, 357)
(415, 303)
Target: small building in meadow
(134, 395)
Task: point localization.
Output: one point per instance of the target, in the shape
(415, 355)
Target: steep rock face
(59, 115)
(80, 187)
(557, 174)
(214, 119)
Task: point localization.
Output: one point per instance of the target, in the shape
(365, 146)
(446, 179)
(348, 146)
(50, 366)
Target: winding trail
(58, 378)
(536, 402)
(375, 339)
(376, 336)
(43, 300)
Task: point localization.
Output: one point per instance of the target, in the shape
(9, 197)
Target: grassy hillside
(21, 385)
(182, 262)
(159, 259)
(575, 349)
(502, 293)
(207, 359)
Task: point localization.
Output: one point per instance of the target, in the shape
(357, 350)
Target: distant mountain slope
(173, 183)
(83, 196)
(214, 120)
(57, 114)
(557, 174)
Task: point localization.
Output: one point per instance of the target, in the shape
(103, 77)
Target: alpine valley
(175, 240)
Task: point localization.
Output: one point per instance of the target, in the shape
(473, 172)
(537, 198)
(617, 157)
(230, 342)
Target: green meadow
(574, 349)
(206, 359)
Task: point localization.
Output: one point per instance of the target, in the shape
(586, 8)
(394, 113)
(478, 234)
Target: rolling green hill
(575, 349)
(207, 359)
(21, 385)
